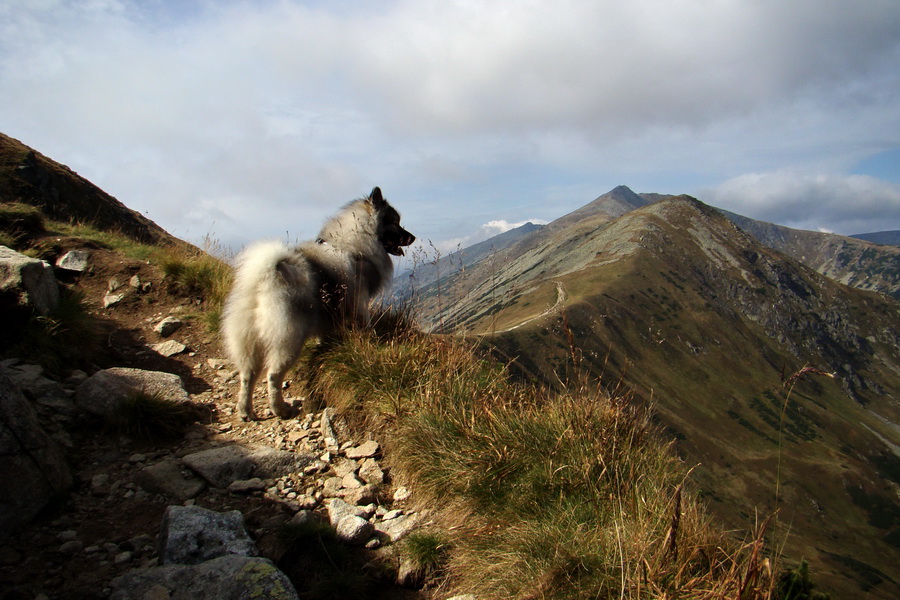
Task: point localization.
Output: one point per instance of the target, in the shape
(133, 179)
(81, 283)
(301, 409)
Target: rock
(223, 578)
(217, 363)
(399, 527)
(74, 260)
(409, 574)
(332, 487)
(345, 467)
(100, 484)
(366, 450)
(325, 424)
(168, 326)
(402, 494)
(71, 547)
(30, 458)
(224, 465)
(350, 482)
(169, 348)
(190, 535)
(30, 379)
(169, 478)
(101, 393)
(110, 300)
(247, 485)
(347, 523)
(29, 280)
(365, 494)
(371, 472)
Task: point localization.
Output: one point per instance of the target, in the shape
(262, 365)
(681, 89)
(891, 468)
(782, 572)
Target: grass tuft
(201, 274)
(19, 223)
(153, 417)
(67, 338)
(428, 552)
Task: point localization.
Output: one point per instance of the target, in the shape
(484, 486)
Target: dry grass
(543, 495)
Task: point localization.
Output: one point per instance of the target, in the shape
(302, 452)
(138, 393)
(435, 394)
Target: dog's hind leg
(280, 358)
(277, 405)
(248, 378)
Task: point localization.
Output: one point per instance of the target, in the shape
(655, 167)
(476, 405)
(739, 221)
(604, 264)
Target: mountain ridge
(680, 303)
(29, 177)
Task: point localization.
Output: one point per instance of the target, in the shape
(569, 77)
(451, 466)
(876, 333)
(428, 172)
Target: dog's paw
(248, 417)
(284, 411)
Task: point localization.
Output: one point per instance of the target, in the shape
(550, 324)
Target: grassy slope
(566, 494)
(833, 481)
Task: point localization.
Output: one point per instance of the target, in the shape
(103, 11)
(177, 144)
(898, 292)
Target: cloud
(844, 204)
(268, 115)
(485, 232)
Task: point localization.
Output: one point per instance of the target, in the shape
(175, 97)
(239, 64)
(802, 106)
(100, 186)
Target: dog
(282, 295)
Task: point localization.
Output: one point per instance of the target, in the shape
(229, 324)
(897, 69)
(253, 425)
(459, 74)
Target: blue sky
(243, 120)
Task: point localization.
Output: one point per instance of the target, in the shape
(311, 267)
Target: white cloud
(844, 204)
(268, 115)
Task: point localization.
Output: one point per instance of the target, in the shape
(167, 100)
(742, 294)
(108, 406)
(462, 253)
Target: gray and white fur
(284, 295)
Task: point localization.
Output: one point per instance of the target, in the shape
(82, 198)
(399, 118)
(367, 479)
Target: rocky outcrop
(29, 281)
(102, 393)
(191, 535)
(205, 554)
(33, 467)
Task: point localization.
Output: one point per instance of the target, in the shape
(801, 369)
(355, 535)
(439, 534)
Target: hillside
(29, 177)
(708, 324)
(889, 238)
(858, 261)
(513, 491)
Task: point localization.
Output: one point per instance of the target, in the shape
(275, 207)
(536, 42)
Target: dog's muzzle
(394, 243)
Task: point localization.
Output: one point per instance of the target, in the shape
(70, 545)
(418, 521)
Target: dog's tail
(258, 306)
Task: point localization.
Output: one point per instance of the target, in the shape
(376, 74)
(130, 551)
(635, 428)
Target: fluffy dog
(282, 295)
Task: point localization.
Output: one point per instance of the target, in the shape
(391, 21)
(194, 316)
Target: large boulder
(29, 280)
(229, 577)
(191, 535)
(33, 467)
(102, 392)
(227, 464)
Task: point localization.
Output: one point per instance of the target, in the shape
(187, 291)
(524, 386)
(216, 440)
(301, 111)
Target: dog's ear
(376, 198)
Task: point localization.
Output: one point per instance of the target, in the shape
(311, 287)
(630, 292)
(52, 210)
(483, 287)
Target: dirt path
(561, 297)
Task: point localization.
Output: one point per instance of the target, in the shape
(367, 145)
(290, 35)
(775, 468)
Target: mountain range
(777, 381)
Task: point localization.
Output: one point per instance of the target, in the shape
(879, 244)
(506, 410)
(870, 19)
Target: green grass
(18, 223)
(428, 551)
(565, 494)
(203, 274)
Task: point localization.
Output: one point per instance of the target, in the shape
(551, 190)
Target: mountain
(29, 177)
(426, 273)
(888, 238)
(778, 383)
(855, 261)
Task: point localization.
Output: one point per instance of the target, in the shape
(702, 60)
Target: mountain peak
(611, 205)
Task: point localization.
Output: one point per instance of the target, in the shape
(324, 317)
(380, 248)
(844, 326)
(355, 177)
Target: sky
(238, 120)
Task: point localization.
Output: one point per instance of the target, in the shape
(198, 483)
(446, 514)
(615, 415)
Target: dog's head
(391, 235)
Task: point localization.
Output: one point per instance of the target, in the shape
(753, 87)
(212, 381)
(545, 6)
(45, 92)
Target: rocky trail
(113, 529)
